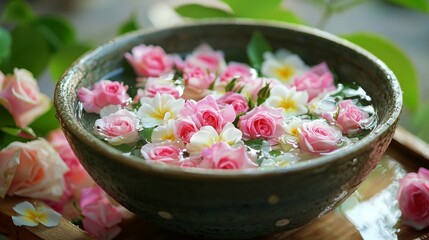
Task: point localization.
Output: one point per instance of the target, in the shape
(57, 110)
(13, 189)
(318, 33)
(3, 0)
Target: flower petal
(51, 218)
(23, 208)
(24, 221)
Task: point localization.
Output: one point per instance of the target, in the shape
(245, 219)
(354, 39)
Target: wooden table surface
(370, 213)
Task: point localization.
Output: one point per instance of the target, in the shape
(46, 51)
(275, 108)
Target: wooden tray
(370, 213)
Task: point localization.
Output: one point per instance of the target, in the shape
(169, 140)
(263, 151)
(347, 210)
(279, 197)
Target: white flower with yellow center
(292, 102)
(283, 65)
(290, 139)
(164, 133)
(31, 216)
(159, 109)
(208, 136)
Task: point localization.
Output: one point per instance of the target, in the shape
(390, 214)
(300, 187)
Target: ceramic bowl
(232, 204)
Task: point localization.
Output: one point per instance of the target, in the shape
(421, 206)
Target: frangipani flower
(282, 65)
(164, 133)
(207, 136)
(158, 110)
(290, 138)
(31, 216)
(292, 102)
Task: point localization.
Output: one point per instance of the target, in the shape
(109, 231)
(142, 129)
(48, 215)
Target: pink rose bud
(104, 93)
(206, 58)
(237, 101)
(168, 153)
(221, 156)
(33, 169)
(100, 216)
(149, 60)
(118, 128)
(20, 95)
(413, 199)
(316, 81)
(236, 70)
(350, 117)
(184, 128)
(318, 137)
(262, 122)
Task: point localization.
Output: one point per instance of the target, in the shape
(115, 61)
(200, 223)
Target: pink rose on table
(168, 153)
(316, 81)
(77, 177)
(104, 93)
(33, 169)
(118, 128)
(206, 58)
(184, 128)
(221, 156)
(262, 122)
(100, 217)
(237, 101)
(206, 112)
(20, 95)
(350, 117)
(149, 60)
(413, 199)
(318, 137)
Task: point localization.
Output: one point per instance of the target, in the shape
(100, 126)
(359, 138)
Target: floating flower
(104, 93)
(149, 60)
(237, 101)
(350, 117)
(184, 129)
(290, 138)
(168, 152)
(31, 216)
(413, 199)
(100, 216)
(317, 81)
(319, 137)
(197, 80)
(282, 65)
(262, 122)
(292, 102)
(252, 88)
(159, 110)
(33, 169)
(164, 133)
(222, 156)
(207, 136)
(20, 95)
(118, 128)
(206, 58)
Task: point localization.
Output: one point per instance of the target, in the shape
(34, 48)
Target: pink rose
(262, 122)
(104, 93)
(184, 128)
(20, 95)
(350, 117)
(190, 162)
(100, 217)
(206, 112)
(168, 153)
(149, 60)
(33, 169)
(197, 78)
(413, 199)
(118, 128)
(318, 137)
(237, 101)
(221, 156)
(152, 90)
(241, 71)
(206, 58)
(316, 81)
(252, 88)
(77, 177)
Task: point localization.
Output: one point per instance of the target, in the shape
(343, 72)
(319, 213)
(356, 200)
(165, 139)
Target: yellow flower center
(160, 114)
(35, 216)
(288, 104)
(285, 72)
(294, 131)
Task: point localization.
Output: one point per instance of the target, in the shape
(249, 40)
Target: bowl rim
(70, 123)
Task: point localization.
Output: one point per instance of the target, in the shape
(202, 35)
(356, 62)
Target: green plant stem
(327, 14)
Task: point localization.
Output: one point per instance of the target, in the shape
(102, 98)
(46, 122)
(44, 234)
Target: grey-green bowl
(232, 204)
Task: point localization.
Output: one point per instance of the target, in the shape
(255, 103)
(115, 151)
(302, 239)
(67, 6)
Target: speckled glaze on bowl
(232, 204)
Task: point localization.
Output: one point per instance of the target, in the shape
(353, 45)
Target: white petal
(52, 218)
(23, 208)
(107, 110)
(230, 134)
(204, 138)
(24, 221)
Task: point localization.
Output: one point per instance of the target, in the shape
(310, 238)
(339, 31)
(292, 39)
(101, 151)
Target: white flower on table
(292, 102)
(283, 65)
(159, 109)
(31, 216)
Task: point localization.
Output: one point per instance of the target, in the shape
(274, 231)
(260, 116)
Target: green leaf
(197, 11)
(230, 86)
(56, 30)
(18, 11)
(30, 50)
(146, 134)
(128, 26)
(256, 48)
(249, 6)
(5, 44)
(395, 59)
(421, 5)
(65, 56)
(258, 144)
(15, 134)
(6, 118)
(45, 123)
